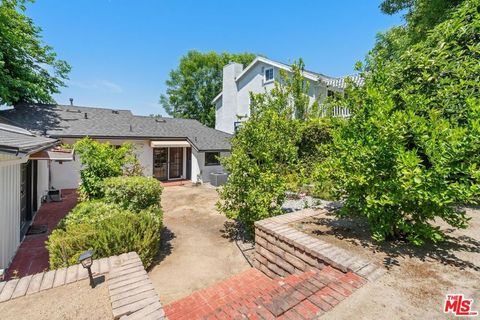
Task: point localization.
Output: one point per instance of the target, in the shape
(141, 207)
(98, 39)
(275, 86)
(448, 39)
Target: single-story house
(23, 183)
(167, 148)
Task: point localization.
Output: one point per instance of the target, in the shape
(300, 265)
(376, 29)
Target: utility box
(218, 178)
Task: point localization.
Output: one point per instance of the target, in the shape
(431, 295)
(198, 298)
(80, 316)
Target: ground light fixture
(86, 260)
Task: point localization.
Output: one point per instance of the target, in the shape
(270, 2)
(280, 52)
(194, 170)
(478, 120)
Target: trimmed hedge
(132, 193)
(108, 234)
(129, 218)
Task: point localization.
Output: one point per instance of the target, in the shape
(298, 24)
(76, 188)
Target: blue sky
(121, 51)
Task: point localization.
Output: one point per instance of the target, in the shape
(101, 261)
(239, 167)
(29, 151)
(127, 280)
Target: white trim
(265, 81)
(169, 144)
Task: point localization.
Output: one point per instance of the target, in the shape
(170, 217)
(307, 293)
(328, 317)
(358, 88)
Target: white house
(233, 103)
(167, 148)
(23, 184)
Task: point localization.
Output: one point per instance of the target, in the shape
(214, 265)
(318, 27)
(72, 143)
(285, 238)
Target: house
(167, 148)
(232, 105)
(23, 184)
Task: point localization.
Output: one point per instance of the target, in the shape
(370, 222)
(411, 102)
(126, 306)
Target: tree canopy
(196, 82)
(410, 152)
(29, 69)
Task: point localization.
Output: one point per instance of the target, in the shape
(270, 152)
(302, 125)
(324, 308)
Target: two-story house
(233, 103)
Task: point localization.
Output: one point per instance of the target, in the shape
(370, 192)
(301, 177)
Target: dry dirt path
(196, 252)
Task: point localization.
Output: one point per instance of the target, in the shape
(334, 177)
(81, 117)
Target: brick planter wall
(281, 250)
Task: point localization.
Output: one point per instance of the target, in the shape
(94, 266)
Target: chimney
(227, 114)
(71, 101)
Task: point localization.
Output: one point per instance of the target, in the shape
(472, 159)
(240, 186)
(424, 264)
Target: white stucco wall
(9, 210)
(42, 180)
(229, 109)
(66, 175)
(201, 172)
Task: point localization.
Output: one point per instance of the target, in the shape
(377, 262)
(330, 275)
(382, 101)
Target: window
(268, 74)
(211, 158)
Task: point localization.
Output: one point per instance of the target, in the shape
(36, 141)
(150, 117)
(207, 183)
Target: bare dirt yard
(72, 301)
(196, 248)
(418, 278)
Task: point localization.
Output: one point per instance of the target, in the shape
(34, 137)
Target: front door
(176, 163)
(160, 163)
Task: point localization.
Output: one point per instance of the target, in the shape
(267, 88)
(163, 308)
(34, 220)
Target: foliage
(100, 161)
(107, 234)
(196, 82)
(132, 193)
(29, 69)
(267, 152)
(410, 153)
(90, 212)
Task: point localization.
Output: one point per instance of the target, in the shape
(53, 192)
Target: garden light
(86, 260)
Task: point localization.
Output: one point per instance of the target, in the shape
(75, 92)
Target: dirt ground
(72, 301)
(417, 279)
(196, 249)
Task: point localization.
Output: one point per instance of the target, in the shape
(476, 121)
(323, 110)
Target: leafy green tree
(267, 152)
(410, 154)
(100, 161)
(196, 82)
(29, 69)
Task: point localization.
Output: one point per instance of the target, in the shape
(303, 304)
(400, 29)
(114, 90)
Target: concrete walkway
(196, 253)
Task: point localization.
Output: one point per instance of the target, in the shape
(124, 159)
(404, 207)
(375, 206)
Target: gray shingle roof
(18, 141)
(59, 121)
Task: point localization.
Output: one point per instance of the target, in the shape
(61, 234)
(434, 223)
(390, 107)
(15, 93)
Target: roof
(20, 142)
(61, 121)
(311, 75)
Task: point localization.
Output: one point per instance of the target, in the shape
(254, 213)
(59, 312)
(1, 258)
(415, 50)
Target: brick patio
(172, 183)
(32, 256)
(253, 295)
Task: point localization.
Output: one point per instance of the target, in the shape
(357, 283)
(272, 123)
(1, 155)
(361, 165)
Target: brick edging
(281, 249)
(16, 288)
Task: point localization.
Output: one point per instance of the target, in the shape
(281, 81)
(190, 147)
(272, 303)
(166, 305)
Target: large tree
(195, 83)
(409, 155)
(29, 69)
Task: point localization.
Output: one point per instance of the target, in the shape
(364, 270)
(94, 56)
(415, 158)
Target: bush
(90, 212)
(111, 234)
(410, 154)
(132, 193)
(100, 161)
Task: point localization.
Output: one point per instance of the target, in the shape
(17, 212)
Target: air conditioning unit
(218, 178)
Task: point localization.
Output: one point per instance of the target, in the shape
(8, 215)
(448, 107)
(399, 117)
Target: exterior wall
(42, 180)
(9, 210)
(201, 172)
(229, 108)
(66, 175)
(227, 116)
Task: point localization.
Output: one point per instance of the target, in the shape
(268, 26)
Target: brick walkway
(172, 183)
(253, 295)
(32, 256)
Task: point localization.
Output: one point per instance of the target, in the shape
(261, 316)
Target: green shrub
(89, 212)
(132, 193)
(410, 154)
(113, 234)
(100, 161)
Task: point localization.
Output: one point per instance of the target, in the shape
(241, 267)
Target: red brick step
(253, 295)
